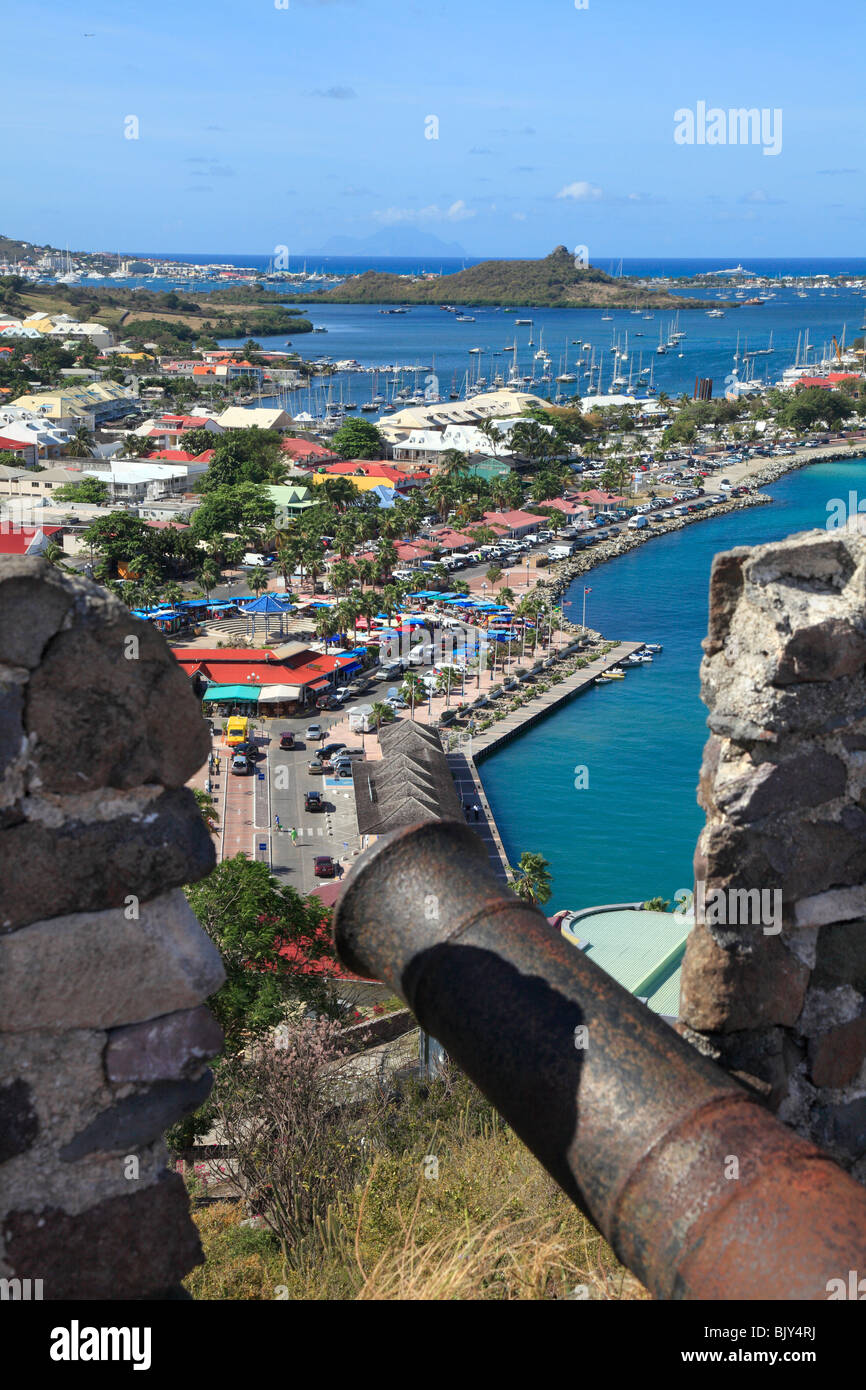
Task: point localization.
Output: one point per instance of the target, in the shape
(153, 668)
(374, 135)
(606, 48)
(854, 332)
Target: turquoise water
(631, 833)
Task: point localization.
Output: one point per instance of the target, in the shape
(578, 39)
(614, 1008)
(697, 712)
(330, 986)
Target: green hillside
(552, 282)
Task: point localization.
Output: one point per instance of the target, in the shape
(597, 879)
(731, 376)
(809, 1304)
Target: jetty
(464, 757)
(481, 745)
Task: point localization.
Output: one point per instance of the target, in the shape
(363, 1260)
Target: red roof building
(26, 540)
(516, 523)
(306, 450)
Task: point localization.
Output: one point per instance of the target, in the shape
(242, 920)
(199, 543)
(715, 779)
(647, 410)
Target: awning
(319, 685)
(247, 693)
(274, 693)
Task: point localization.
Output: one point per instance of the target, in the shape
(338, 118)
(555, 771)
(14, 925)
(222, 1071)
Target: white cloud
(457, 212)
(581, 192)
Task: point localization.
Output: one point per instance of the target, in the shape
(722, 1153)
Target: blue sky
(262, 127)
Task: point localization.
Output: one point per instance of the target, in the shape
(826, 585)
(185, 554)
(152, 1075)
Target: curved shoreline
(566, 571)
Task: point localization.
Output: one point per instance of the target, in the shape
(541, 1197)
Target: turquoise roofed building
(643, 950)
(292, 498)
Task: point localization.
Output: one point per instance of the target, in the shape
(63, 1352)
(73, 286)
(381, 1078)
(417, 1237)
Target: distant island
(554, 282)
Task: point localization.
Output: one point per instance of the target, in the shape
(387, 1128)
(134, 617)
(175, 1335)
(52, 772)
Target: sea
(427, 350)
(630, 833)
(605, 788)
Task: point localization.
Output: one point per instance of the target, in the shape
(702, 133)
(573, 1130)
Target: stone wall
(780, 996)
(103, 967)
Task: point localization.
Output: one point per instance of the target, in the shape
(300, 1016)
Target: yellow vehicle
(237, 730)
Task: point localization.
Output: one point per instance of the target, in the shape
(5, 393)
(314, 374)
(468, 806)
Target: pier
(544, 703)
(463, 758)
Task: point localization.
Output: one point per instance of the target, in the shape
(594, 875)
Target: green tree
(358, 439)
(263, 933)
(381, 713)
(207, 807)
(243, 508)
(531, 879)
(92, 490)
(81, 444)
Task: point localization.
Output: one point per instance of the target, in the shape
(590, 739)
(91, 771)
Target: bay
(631, 833)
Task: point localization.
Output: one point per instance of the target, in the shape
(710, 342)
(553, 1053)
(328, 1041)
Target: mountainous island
(554, 282)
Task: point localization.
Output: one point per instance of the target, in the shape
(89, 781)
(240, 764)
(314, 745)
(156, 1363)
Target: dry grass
(492, 1226)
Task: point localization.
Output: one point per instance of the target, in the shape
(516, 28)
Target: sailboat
(662, 348)
(566, 375)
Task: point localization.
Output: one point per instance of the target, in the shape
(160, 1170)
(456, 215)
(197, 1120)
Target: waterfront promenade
(515, 722)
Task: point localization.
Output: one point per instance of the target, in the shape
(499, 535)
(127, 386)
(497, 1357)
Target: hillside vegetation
(552, 282)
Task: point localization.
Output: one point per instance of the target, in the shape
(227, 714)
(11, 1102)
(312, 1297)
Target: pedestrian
(477, 810)
(466, 810)
(294, 836)
(277, 822)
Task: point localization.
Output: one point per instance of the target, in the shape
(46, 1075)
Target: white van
(636, 523)
(560, 552)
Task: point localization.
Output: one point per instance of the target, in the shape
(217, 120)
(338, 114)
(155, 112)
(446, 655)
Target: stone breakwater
(565, 571)
(103, 966)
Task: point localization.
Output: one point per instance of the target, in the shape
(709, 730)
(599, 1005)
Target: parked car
(316, 765)
(324, 866)
(287, 739)
(327, 751)
(314, 731)
(240, 764)
(313, 801)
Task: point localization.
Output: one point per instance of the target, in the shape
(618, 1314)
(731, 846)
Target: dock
(463, 758)
(515, 723)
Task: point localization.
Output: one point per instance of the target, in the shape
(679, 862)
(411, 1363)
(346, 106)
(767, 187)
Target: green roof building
(643, 951)
(293, 498)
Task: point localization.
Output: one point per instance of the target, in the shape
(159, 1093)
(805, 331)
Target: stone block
(34, 601)
(840, 956)
(836, 1057)
(101, 970)
(729, 990)
(19, 1123)
(170, 1048)
(105, 719)
(88, 865)
(138, 1119)
(120, 1248)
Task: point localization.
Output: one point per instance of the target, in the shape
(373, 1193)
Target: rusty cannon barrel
(697, 1187)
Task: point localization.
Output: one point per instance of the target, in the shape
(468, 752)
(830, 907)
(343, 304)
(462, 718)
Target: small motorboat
(653, 647)
(602, 680)
(615, 675)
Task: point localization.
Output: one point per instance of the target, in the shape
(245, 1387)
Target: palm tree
(81, 445)
(208, 577)
(506, 595)
(172, 594)
(348, 611)
(207, 807)
(531, 879)
(365, 570)
(491, 433)
(381, 714)
(258, 579)
(54, 553)
(452, 463)
(326, 624)
(342, 574)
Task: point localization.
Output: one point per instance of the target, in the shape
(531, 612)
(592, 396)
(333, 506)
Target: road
(250, 805)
